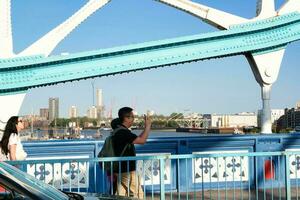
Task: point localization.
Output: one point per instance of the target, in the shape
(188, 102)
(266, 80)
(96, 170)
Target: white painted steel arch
(45, 45)
(6, 42)
(265, 9)
(289, 6)
(265, 66)
(214, 17)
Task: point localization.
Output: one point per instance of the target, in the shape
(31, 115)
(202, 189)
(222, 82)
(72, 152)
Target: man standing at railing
(124, 141)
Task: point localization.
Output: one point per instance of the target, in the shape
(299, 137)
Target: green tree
(60, 122)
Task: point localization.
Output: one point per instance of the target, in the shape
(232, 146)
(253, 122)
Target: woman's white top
(20, 153)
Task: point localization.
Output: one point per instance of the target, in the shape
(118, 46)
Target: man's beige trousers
(129, 185)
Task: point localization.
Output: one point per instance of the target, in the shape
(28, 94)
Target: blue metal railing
(257, 175)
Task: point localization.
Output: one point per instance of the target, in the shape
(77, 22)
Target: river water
(153, 133)
(91, 133)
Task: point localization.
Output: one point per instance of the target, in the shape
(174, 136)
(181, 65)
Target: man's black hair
(115, 123)
(124, 112)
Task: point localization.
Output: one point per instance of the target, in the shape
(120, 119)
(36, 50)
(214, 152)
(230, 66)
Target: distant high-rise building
(290, 119)
(92, 112)
(53, 108)
(44, 113)
(99, 103)
(99, 99)
(73, 112)
(298, 105)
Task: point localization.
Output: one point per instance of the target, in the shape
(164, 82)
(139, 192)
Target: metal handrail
(255, 181)
(156, 157)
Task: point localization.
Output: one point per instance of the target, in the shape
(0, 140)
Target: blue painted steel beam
(21, 74)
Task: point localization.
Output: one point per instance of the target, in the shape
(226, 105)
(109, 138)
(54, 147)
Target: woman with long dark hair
(10, 144)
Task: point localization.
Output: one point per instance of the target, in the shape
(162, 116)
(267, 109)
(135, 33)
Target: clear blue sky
(214, 86)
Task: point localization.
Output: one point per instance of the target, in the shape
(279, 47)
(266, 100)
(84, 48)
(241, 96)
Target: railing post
(287, 176)
(162, 178)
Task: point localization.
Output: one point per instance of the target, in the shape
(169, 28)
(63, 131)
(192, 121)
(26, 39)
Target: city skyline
(92, 111)
(224, 85)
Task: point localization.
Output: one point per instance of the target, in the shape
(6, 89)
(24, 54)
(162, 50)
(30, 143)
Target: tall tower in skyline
(92, 112)
(73, 112)
(99, 99)
(53, 108)
(99, 103)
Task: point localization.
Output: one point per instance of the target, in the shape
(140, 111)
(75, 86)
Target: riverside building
(244, 119)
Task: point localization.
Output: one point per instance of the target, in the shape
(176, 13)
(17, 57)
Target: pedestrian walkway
(229, 194)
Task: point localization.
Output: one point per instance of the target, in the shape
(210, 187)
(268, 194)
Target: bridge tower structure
(265, 65)
(262, 40)
(43, 46)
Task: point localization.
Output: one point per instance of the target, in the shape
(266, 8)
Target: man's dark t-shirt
(120, 139)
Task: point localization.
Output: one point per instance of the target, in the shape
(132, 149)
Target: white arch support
(6, 44)
(44, 45)
(265, 9)
(221, 19)
(48, 42)
(216, 18)
(265, 66)
(15, 102)
(289, 6)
